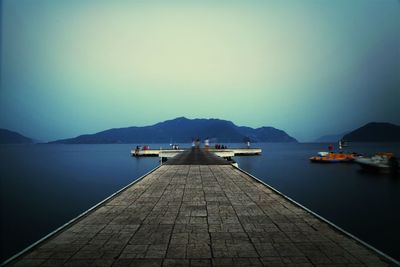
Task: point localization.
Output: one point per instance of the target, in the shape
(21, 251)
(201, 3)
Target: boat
(333, 157)
(384, 162)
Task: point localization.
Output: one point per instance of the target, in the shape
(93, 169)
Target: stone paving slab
(199, 215)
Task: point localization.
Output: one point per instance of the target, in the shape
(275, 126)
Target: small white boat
(323, 153)
(381, 162)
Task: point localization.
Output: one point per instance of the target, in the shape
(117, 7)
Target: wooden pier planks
(199, 215)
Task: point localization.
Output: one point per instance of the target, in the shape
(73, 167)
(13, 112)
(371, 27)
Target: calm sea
(44, 186)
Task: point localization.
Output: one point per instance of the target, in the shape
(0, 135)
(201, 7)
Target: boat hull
(378, 166)
(333, 158)
(316, 160)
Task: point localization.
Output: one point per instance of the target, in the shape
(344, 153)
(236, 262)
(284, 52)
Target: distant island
(375, 132)
(182, 130)
(10, 137)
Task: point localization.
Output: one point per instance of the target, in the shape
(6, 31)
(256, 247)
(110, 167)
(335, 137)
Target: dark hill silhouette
(375, 132)
(10, 137)
(182, 130)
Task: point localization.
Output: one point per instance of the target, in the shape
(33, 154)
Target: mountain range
(370, 132)
(10, 137)
(375, 132)
(183, 130)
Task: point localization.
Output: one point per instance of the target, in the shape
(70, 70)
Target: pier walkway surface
(199, 214)
(197, 157)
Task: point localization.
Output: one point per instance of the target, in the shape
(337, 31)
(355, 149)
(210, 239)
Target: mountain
(10, 137)
(330, 138)
(375, 132)
(182, 130)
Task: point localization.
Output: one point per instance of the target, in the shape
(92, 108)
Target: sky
(310, 68)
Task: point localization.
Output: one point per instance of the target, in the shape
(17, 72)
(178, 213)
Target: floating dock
(169, 153)
(198, 210)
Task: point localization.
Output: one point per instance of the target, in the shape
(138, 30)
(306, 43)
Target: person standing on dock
(330, 148)
(342, 144)
(137, 150)
(197, 143)
(206, 143)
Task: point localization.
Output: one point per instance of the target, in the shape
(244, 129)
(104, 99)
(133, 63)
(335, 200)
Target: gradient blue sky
(307, 67)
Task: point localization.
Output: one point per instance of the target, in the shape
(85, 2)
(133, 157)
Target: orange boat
(333, 158)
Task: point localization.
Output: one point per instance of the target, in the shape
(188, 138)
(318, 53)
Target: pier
(169, 153)
(198, 210)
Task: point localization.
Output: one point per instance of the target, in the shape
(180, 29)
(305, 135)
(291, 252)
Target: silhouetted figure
(137, 150)
(197, 143)
(206, 143)
(330, 148)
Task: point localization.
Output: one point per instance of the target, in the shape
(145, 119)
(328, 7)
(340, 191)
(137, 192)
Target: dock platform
(169, 153)
(197, 210)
